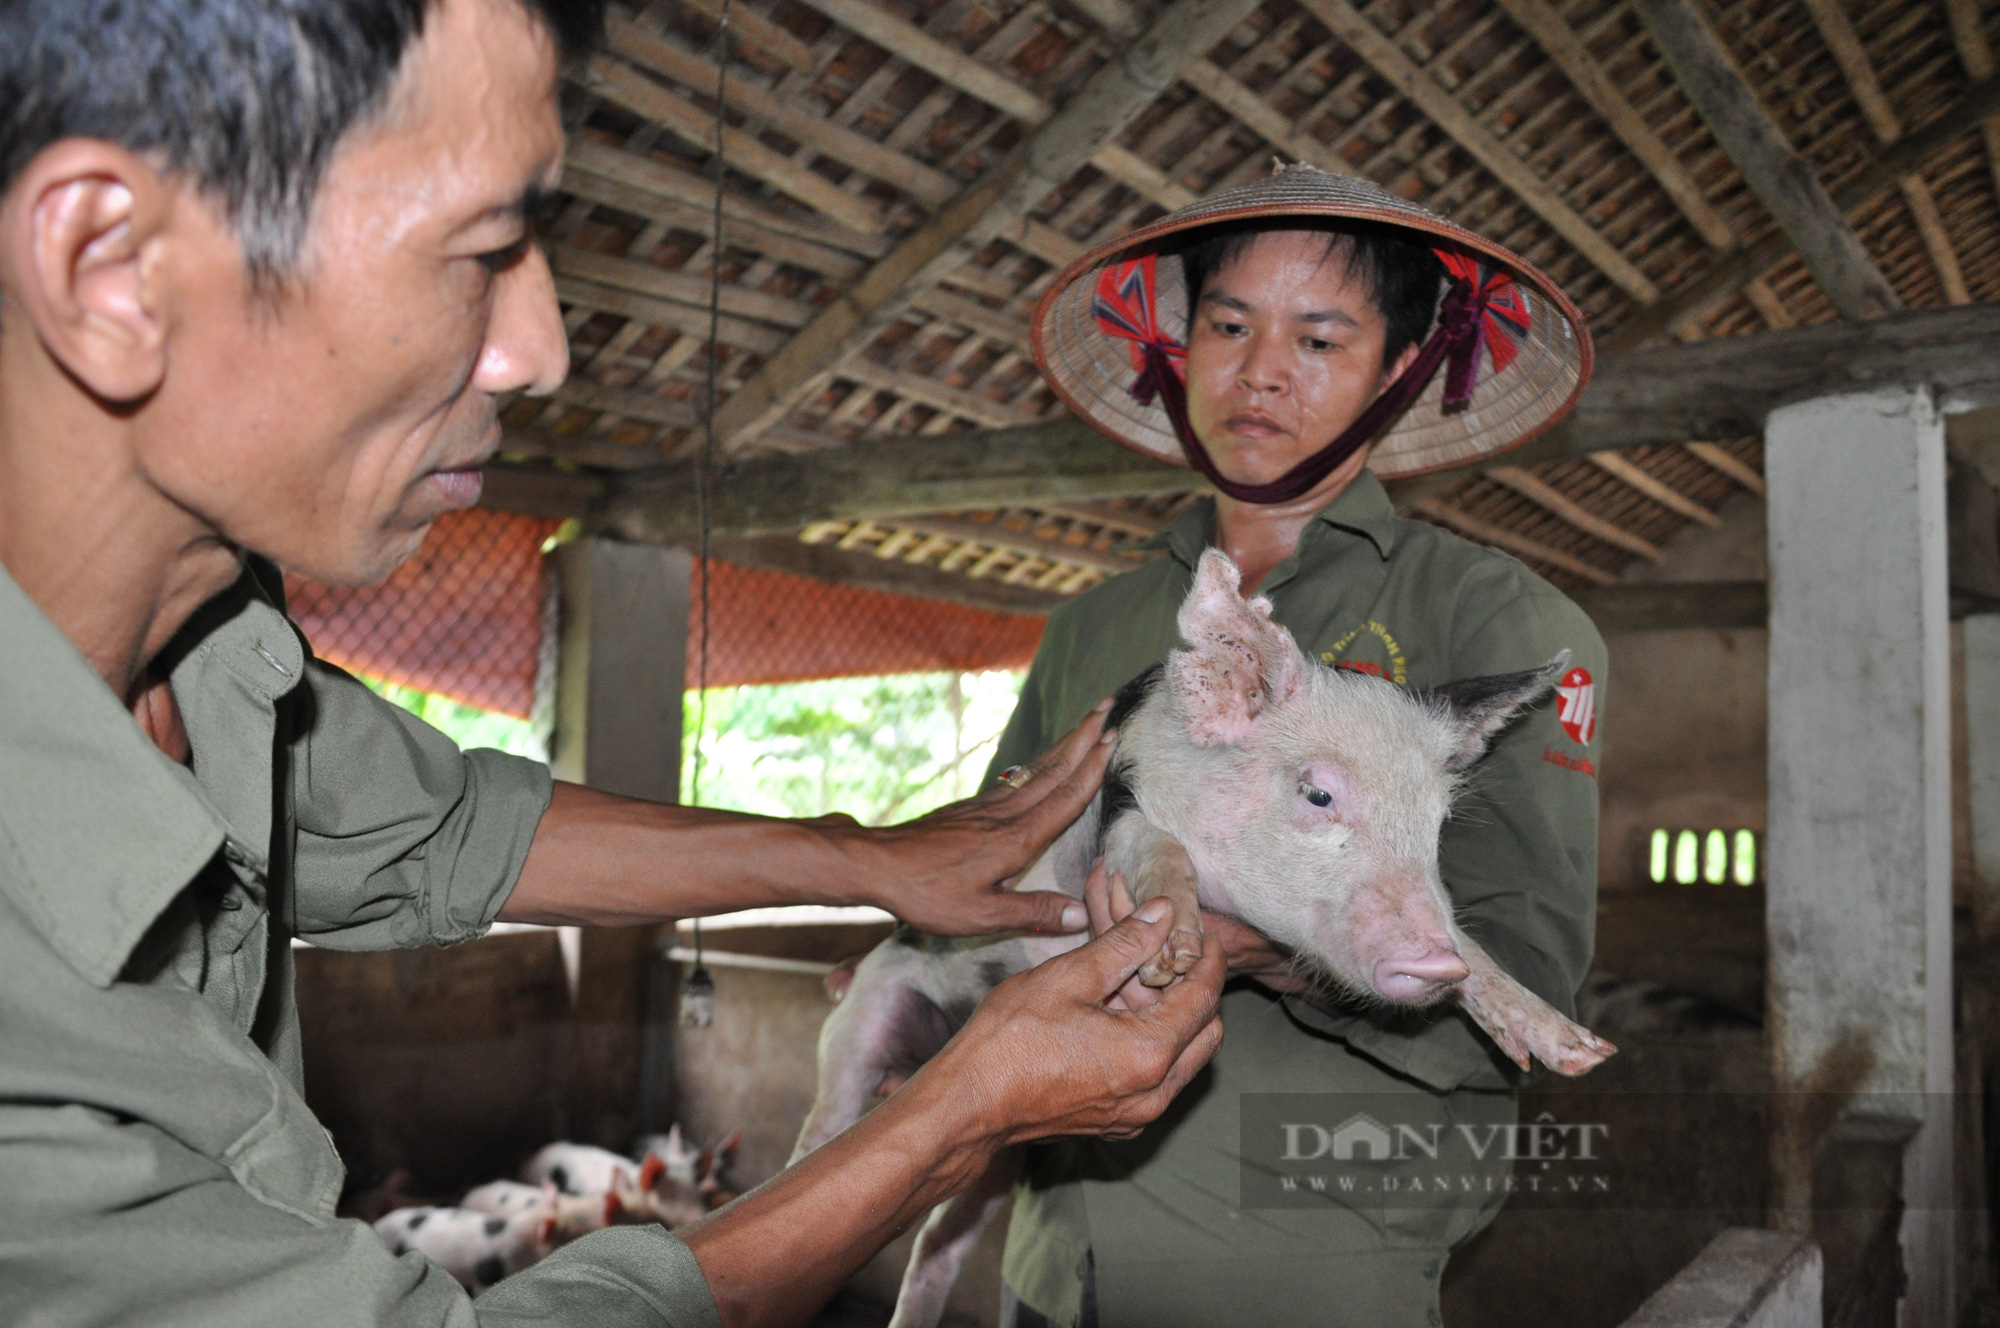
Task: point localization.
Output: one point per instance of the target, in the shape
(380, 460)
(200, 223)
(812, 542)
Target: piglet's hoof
(1182, 952)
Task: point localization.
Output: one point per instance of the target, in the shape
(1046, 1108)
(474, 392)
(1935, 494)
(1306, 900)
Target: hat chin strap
(1456, 338)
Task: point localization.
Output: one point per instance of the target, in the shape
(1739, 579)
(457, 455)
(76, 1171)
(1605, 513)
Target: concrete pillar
(1982, 759)
(623, 665)
(621, 669)
(1860, 799)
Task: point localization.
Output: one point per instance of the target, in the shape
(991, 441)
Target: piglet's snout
(1416, 977)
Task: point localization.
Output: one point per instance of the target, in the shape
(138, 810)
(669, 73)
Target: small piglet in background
(566, 1191)
(1255, 782)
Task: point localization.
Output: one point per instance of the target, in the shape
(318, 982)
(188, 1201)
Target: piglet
(1255, 782)
(476, 1248)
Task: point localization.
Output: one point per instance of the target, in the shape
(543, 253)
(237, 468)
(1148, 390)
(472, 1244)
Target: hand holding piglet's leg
(1153, 865)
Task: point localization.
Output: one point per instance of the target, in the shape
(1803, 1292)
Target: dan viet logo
(1406, 1151)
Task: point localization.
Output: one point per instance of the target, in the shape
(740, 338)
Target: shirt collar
(102, 830)
(1362, 508)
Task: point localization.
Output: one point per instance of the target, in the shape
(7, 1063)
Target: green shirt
(157, 1159)
(1419, 606)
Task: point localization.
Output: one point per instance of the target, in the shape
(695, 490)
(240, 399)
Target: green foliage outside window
(464, 725)
(880, 749)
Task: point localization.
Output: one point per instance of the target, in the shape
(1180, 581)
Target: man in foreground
(1279, 337)
(264, 266)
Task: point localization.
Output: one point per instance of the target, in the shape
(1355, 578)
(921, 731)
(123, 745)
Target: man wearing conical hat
(1298, 340)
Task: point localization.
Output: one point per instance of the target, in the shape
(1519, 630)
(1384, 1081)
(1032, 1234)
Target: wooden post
(1982, 752)
(1860, 801)
(618, 728)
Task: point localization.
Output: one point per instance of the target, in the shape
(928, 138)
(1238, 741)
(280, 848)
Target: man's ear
(82, 227)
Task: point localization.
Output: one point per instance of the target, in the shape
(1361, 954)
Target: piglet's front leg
(1522, 1023)
(1155, 866)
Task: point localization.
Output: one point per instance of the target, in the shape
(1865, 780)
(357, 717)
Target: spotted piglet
(1252, 781)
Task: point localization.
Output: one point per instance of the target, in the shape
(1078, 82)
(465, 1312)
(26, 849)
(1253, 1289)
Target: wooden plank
(656, 312)
(1539, 19)
(1767, 304)
(994, 324)
(657, 177)
(954, 67)
(786, 553)
(687, 216)
(1782, 180)
(1734, 467)
(1112, 98)
(1968, 34)
(1837, 31)
(995, 536)
(625, 402)
(913, 177)
(748, 25)
(1937, 241)
(582, 448)
(930, 392)
(1436, 509)
(1568, 509)
(680, 287)
(1216, 84)
(1665, 495)
(617, 81)
(1400, 71)
(909, 42)
(892, 477)
(1692, 299)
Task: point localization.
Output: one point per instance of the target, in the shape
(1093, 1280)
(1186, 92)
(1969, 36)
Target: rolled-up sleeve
(109, 1221)
(401, 838)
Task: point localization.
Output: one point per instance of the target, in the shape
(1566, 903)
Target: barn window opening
(1715, 856)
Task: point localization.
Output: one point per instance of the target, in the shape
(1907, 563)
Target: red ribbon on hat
(1482, 310)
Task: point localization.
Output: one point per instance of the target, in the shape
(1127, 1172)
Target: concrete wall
(1684, 715)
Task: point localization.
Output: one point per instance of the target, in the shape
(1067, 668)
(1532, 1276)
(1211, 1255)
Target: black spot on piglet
(417, 1220)
(495, 1225)
(560, 1175)
(489, 1270)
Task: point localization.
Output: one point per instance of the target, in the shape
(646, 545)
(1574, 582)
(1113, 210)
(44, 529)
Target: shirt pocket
(273, 1145)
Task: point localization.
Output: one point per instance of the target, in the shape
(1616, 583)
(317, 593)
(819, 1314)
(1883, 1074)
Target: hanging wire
(698, 996)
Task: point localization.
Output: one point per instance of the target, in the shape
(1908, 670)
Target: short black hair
(1400, 272)
(246, 98)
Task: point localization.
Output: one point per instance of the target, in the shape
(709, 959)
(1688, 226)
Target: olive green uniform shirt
(158, 1163)
(1158, 1217)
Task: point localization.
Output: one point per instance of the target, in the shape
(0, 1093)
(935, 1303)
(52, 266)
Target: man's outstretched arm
(599, 859)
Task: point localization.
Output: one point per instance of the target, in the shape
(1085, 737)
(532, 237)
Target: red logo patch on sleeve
(1577, 710)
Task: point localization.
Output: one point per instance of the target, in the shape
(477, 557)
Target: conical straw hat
(1530, 365)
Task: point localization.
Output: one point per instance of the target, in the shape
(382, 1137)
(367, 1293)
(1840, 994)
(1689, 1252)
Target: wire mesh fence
(473, 616)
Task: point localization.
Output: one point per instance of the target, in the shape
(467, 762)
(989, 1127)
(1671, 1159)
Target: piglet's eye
(1316, 795)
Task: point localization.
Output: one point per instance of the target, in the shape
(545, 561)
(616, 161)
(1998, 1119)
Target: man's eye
(499, 260)
(1230, 329)
(1315, 344)
(1316, 795)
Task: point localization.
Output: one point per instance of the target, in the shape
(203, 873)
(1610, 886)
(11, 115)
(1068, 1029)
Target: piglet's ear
(1478, 708)
(1237, 661)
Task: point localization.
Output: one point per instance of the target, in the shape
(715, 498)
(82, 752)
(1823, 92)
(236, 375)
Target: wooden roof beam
(1436, 509)
(1968, 34)
(1565, 508)
(1626, 472)
(1782, 180)
(1444, 110)
(1062, 145)
(1539, 19)
(1734, 467)
(1721, 388)
(949, 65)
(1692, 299)
(1837, 31)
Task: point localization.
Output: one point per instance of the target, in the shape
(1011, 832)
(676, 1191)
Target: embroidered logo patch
(1578, 705)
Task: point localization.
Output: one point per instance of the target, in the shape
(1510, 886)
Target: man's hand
(1246, 952)
(947, 873)
(1049, 1051)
